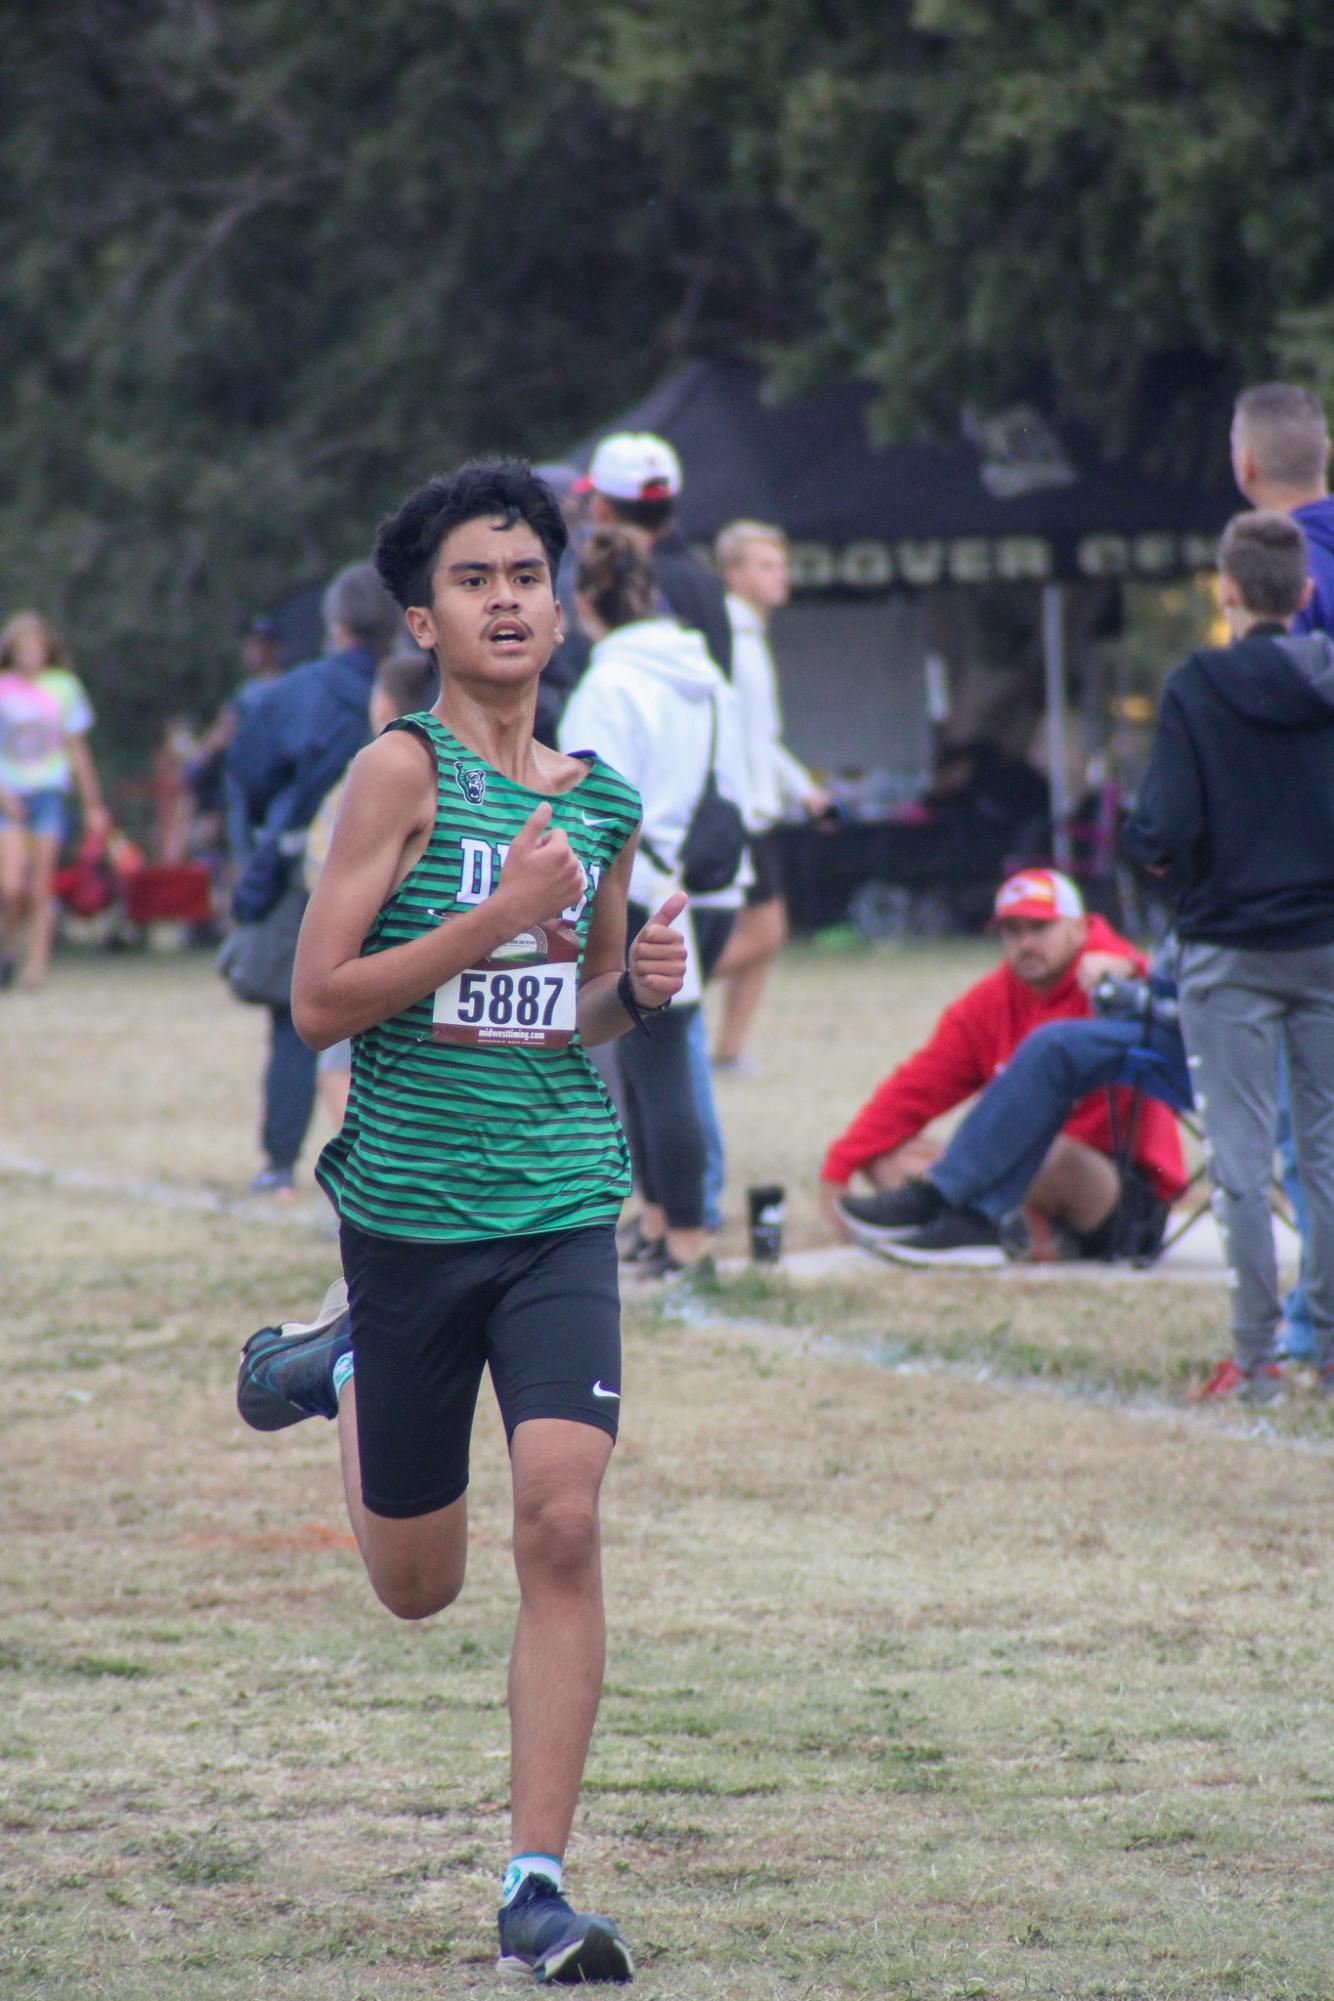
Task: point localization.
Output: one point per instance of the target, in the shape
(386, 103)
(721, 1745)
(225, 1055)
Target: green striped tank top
(453, 1134)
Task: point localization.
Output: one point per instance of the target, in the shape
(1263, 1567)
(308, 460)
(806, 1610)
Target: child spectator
(45, 717)
(405, 684)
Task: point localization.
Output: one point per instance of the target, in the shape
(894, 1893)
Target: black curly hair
(408, 543)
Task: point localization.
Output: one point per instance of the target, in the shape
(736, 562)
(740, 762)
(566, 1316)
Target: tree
(1124, 205)
(265, 268)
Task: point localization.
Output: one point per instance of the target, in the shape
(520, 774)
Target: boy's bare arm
(657, 958)
(389, 797)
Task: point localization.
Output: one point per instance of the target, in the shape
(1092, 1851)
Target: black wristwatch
(625, 994)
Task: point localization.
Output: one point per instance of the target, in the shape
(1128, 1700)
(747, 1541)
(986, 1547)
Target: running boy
(468, 931)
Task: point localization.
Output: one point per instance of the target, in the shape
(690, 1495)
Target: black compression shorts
(541, 1311)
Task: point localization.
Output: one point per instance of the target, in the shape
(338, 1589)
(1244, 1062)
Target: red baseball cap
(1043, 893)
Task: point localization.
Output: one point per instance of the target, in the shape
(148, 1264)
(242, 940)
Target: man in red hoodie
(1069, 1199)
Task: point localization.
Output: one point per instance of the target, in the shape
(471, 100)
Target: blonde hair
(9, 632)
(739, 536)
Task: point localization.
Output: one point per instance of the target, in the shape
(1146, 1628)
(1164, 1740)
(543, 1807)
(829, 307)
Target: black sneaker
(890, 1212)
(956, 1237)
(633, 1247)
(287, 1372)
(674, 1270)
(540, 1935)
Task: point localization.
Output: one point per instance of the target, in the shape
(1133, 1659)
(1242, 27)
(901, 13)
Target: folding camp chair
(1151, 1075)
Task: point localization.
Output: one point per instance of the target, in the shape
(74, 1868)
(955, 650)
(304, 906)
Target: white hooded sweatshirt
(645, 705)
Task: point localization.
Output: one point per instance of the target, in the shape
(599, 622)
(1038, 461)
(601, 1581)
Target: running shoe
(287, 1372)
(954, 1237)
(541, 1936)
(1228, 1383)
(674, 1270)
(634, 1247)
(273, 1181)
(1029, 1238)
(891, 1212)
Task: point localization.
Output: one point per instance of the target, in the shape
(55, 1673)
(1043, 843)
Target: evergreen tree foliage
(265, 266)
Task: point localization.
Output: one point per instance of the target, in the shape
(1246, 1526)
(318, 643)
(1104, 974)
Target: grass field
(951, 1654)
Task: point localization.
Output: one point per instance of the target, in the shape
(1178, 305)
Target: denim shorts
(45, 812)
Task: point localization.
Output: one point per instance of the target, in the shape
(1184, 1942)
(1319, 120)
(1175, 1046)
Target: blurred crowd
(1071, 1149)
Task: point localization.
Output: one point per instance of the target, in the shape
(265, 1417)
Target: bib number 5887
(531, 1007)
(531, 1000)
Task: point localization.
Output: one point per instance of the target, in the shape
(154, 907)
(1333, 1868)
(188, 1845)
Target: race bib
(525, 995)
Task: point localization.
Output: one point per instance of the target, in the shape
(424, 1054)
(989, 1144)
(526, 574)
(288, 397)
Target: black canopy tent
(1012, 502)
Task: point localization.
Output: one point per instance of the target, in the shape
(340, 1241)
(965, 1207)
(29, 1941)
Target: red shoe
(1227, 1380)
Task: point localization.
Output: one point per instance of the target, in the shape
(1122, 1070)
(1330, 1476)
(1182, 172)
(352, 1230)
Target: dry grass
(950, 1656)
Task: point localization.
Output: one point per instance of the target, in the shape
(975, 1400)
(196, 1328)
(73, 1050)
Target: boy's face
(492, 617)
(760, 575)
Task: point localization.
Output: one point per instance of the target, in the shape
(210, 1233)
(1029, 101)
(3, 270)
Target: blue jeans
(289, 1091)
(1299, 1341)
(701, 1086)
(994, 1156)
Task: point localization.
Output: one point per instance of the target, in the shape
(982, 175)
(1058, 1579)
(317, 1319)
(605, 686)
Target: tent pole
(1053, 665)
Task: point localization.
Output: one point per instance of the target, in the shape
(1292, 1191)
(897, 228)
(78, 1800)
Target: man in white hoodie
(752, 558)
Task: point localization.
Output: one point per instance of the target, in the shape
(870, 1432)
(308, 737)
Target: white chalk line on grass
(1140, 1406)
(178, 1195)
(182, 1196)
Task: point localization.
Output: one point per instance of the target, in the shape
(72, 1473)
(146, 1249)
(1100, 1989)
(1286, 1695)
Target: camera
(1133, 1000)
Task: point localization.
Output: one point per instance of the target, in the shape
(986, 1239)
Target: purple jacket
(1316, 520)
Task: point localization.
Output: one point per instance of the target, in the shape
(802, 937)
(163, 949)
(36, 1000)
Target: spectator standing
(634, 481)
(1238, 801)
(293, 744)
(206, 774)
(45, 718)
(753, 562)
(1280, 460)
(406, 684)
(654, 705)
(566, 665)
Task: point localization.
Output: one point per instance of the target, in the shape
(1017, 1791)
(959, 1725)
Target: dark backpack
(715, 837)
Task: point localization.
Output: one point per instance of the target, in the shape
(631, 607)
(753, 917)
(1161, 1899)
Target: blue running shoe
(287, 1372)
(540, 1935)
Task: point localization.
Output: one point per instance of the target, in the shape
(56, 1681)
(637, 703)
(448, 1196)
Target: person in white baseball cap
(635, 478)
(635, 465)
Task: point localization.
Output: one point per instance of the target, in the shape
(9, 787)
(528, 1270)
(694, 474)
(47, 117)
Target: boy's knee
(556, 1536)
(415, 1592)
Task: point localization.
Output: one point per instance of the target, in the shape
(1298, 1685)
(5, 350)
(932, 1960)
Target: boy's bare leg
(555, 1678)
(415, 1565)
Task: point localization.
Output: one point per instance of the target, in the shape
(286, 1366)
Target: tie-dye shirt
(37, 719)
